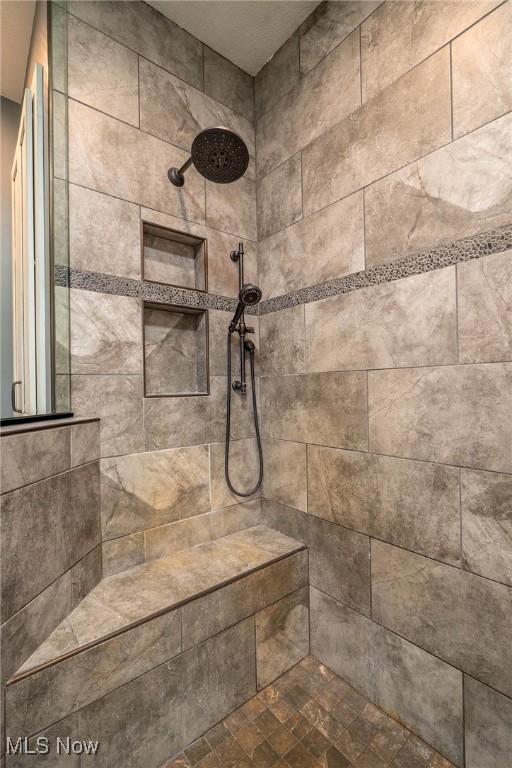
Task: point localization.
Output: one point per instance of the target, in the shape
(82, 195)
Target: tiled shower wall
(387, 410)
(139, 90)
(50, 516)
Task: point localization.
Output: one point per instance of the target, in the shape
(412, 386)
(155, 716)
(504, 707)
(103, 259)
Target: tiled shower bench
(154, 656)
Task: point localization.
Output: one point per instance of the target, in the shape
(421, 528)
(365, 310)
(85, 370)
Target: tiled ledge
(483, 244)
(52, 423)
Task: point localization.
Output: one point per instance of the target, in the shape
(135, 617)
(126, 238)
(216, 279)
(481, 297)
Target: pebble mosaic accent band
(142, 289)
(484, 244)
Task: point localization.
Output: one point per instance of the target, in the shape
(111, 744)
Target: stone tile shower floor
(309, 718)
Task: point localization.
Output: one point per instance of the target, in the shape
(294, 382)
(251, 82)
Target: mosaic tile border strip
(141, 289)
(483, 244)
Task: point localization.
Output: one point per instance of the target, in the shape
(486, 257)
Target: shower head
(249, 296)
(220, 155)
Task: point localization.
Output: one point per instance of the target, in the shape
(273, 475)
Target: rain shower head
(220, 155)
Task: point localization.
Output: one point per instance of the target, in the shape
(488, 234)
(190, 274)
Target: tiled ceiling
(247, 33)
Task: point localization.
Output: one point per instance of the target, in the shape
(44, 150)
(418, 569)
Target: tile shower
(376, 217)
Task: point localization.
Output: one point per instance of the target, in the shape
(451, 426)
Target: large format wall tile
(328, 25)
(51, 694)
(456, 615)
(282, 342)
(401, 34)
(112, 157)
(177, 112)
(485, 308)
(232, 207)
(65, 729)
(148, 32)
(208, 615)
(117, 401)
(407, 120)
(318, 101)
(32, 456)
(168, 539)
(285, 476)
(282, 636)
(453, 415)
(328, 244)
(342, 639)
(149, 489)
(155, 716)
(424, 692)
(176, 421)
(321, 408)
(85, 442)
(277, 76)
(339, 559)
(486, 507)
(222, 272)
(481, 67)
(243, 471)
(171, 422)
(402, 323)
(409, 503)
(339, 562)
(102, 73)
(458, 191)
(85, 575)
(120, 554)
(280, 198)
(28, 628)
(112, 245)
(488, 726)
(106, 333)
(228, 84)
(59, 517)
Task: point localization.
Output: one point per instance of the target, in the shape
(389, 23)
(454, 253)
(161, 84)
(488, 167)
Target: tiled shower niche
(174, 258)
(175, 351)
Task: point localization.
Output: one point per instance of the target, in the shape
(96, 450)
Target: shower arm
(176, 176)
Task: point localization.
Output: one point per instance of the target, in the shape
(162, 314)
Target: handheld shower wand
(249, 296)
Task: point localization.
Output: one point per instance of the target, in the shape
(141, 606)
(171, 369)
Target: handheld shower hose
(249, 346)
(249, 295)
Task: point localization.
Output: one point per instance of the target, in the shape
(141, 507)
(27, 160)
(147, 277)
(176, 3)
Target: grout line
(463, 695)
(402, 547)
(407, 266)
(160, 66)
(381, 178)
(194, 222)
(451, 92)
(411, 642)
(457, 317)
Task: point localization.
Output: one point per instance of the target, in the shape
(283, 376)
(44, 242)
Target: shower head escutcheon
(219, 154)
(249, 296)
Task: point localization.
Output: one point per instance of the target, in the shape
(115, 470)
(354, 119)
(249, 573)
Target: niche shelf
(175, 351)
(174, 258)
